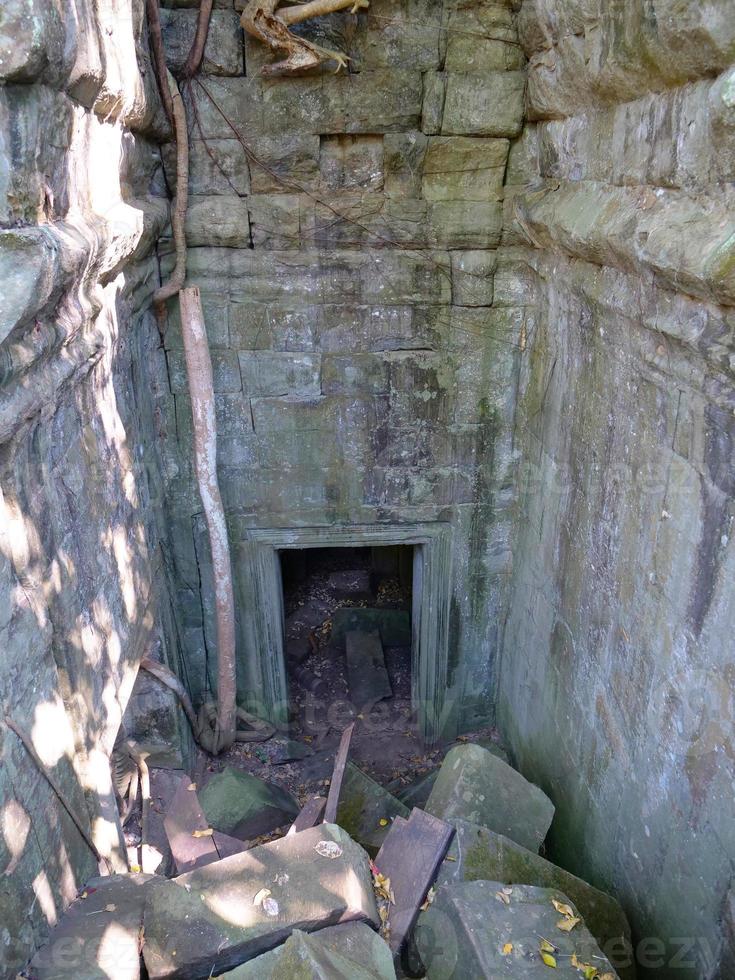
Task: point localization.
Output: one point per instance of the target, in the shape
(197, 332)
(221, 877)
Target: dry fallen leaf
(203, 833)
(566, 925)
(563, 909)
(261, 896)
(502, 897)
(192, 786)
(507, 949)
(547, 947)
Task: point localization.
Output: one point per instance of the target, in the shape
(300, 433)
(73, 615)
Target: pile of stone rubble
(360, 887)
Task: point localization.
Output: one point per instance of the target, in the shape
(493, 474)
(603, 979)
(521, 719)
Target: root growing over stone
(261, 19)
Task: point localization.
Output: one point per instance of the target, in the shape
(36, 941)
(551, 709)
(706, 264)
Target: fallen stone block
(477, 853)
(366, 810)
(311, 814)
(98, 935)
(394, 625)
(192, 841)
(306, 618)
(218, 917)
(351, 951)
(475, 785)
(417, 792)
(366, 671)
(410, 857)
(241, 805)
(484, 929)
(351, 584)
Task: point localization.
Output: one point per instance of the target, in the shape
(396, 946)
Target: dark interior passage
(347, 643)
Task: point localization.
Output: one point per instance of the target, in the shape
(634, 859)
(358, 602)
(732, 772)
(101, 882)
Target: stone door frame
(429, 662)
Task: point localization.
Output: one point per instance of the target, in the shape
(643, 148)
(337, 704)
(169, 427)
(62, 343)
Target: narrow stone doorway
(348, 636)
(278, 558)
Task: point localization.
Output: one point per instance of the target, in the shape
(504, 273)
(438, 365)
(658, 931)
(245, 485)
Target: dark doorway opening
(348, 633)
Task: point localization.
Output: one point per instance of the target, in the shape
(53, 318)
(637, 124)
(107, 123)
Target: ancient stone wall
(79, 124)
(616, 686)
(365, 335)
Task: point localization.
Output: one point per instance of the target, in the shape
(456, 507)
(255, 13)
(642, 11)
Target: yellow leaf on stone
(135, 868)
(563, 909)
(203, 833)
(547, 947)
(566, 925)
(383, 822)
(261, 896)
(590, 972)
(507, 949)
(548, 959)
(191, 787)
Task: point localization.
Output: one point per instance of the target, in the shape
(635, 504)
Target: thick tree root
(261, 21)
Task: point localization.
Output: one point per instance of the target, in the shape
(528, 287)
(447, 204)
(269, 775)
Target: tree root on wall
(260, 19)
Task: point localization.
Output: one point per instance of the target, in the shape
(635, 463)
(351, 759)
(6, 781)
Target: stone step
(217, 917)
(477, 853)
(348, 952)
(366, 671)
(98, 937)
(486, 930)
(241, 805)
(474, 784)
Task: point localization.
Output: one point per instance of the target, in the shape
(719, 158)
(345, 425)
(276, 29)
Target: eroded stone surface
(243, 805)
(226, 913)
(476, 929)
(351, 951)
(475, 785)
(366, 809)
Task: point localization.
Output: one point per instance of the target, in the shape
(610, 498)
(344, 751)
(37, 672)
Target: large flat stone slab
(474, 784)
(410, 857)
(98, 935)
(218, 917)
(352, 951)
(484, 929)
(477, 853)
(241, 805)
(394, 625)
(366, 809)
(366, 671)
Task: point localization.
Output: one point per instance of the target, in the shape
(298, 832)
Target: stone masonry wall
(618, 670)
(79, 124)
(364, 332)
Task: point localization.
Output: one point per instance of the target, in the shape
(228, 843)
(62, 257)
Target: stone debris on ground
(366, 810)
(217, 917)
(487, 929)
(406, 867)
(352, 951)
(394, 625)
(99, 936)
(366, 671)
(477, 853)
(475, 785)
(244, 806)
(311, 903)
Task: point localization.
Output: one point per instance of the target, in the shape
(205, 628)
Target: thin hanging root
(272, 28)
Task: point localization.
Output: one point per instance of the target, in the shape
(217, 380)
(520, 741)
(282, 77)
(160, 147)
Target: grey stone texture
(352, 951)
(488, 931)
(479, 854)
(218, 917)
(240, 804)
(623, 550)
(475, 785)
(362, 373)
